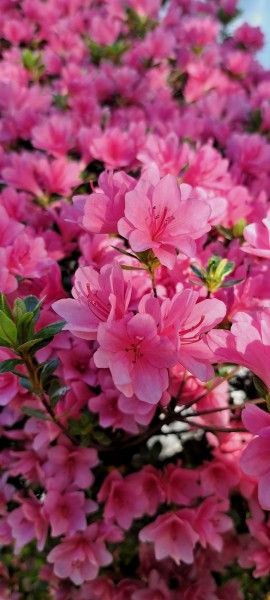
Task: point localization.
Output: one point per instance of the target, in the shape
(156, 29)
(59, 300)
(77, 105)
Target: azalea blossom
(257, 237)
(136, 355)
(80, 556)
(164, 217)
(172, 536)
(95, 300)
(247, 344)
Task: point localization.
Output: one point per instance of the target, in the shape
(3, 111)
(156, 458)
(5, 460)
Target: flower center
(159, 221)
(135, 350)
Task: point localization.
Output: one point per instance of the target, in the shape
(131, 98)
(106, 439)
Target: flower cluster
(134, 302)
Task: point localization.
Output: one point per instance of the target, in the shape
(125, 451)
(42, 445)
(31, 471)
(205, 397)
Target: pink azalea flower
(185, 322)
(55, 135)
(151, 488)
(181, 485)
(136, 355)
(139, 411)
(104, 208)
(69, 466)
(172, 537)
(80, 556)
(9, 386)
(8, 282)
(97, 298)
(250, 153)
(123, 501)
(28, 257)
(219, 477)
(76, 364)
(106, 405)
(209, 170)
(251, 37)
(115, 147)
(27, 523)
(39, 176)
(157, 589)
(66, 511)
(247, 344)
(210, 522)
(9, 228)
(164, 217)
(257, 236)
(166, 152)
(255, 458)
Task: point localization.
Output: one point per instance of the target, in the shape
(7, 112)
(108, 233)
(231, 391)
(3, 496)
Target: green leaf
(50, 330)
(227, 268)
(238, 228)
(26, 384)
(25, 327)
(111, 52)
(197, 272)
(48, 369)
(35, 412)
(225, 232)
(139, 25)
(32, 61)
(33, 304)
(5, 344)
(8, 331)
(7, 366)
(128, 268)
(4, 305)
(19, 309)
(231, 283)
(59, 392)
(125, 252)
(30, 345)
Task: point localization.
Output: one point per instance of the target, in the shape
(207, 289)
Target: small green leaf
(5, 344)
(50, 330)
(48, 369)
(32, 61)
(231, 283)
(225, 232)
(238, 228)
(125, 252)
(225, 267)
(197, 272)
(7, 366)
(8, 331)
(29, 345)
(19, 309)
(33, 304)
(25, 327)
(129, 268)
(26, 384)
(35, 412)
(59, 392)
(4, 305)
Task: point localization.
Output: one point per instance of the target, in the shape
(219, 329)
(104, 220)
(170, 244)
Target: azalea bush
(135, 302)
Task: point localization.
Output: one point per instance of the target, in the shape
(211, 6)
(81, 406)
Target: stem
(152, 275)
(219, 381)
(209, 411)
(40, 393)
(215, 429)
